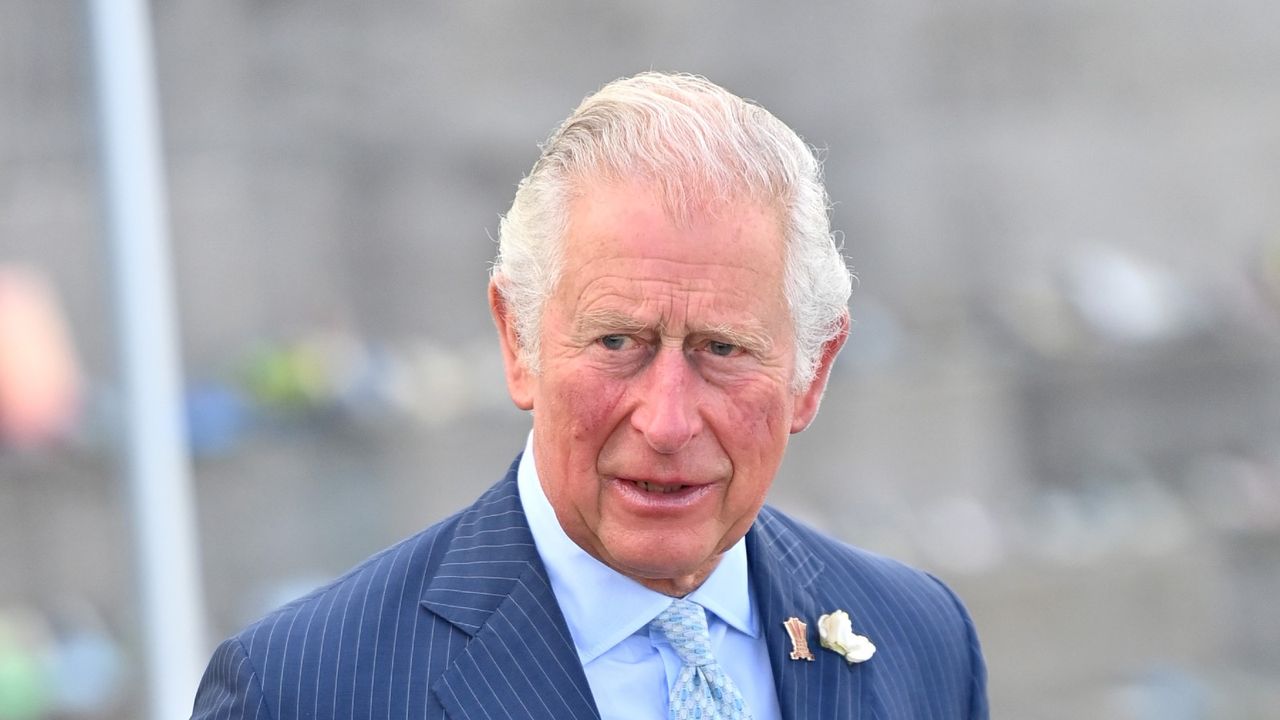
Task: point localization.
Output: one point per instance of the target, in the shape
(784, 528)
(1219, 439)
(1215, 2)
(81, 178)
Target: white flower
(835, 632)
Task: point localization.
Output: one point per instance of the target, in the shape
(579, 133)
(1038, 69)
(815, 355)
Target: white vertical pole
(157, 455)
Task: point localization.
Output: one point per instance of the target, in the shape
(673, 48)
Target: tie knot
(684, 623)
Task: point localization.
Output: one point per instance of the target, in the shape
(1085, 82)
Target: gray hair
(697, 143)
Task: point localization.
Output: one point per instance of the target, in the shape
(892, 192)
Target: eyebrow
(601, 322)
(595, 323)
(754, 341)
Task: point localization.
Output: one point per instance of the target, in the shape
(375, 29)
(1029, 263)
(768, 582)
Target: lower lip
(661, 502)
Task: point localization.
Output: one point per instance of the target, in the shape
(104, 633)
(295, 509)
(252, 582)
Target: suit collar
(492, 586)
(787, 579)
(491, 549)
(781, 552)
(782, 574)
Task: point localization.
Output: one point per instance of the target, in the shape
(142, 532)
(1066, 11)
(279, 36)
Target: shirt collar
(601, 606)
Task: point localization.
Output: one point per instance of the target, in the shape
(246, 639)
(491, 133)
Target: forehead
(633, 222)
(627, 257)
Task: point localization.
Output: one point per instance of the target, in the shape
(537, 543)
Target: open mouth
(660, 489)
(662, 498)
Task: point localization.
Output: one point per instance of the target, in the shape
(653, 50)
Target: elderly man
(669, 302)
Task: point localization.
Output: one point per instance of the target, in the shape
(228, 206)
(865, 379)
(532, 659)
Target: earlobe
(807, 402)
(520, 381)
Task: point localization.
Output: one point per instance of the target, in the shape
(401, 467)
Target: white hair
(697, 143)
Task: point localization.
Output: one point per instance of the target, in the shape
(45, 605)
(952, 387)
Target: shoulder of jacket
(892, 575)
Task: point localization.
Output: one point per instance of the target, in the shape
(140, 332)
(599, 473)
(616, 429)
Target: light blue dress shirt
(629, 667)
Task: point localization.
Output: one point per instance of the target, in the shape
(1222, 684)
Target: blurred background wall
(1062, 391)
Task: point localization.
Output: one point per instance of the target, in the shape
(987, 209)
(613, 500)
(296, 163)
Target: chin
(655, 564)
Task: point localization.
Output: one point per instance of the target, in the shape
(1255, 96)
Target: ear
(520, 382)
(807, 402)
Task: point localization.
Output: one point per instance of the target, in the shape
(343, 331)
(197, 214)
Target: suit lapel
(520, 660)
(785, 577)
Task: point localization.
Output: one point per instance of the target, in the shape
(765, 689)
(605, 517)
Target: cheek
(586, 406)
(760, 415)
(755, 430)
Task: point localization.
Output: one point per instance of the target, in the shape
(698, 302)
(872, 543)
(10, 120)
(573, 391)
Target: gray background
(1062, 392)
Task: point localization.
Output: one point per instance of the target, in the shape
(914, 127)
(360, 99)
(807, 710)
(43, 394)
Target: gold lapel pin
(797, 630)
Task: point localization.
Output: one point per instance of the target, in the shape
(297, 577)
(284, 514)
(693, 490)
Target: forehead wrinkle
(750, 336)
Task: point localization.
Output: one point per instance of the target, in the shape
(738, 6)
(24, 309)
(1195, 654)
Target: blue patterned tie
(703, 691)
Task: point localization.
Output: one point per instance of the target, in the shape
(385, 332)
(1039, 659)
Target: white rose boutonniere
(835, 632)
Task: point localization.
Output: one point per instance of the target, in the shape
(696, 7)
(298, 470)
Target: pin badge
(797, 630)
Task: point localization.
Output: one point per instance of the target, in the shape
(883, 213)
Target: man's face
(663, 403)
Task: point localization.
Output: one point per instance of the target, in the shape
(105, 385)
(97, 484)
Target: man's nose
(667, 413)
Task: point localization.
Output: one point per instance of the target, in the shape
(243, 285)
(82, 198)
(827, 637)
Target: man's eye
(722, 349)
(613, 342)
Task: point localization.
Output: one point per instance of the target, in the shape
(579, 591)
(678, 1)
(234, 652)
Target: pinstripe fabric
(460, 622)
(927, 665)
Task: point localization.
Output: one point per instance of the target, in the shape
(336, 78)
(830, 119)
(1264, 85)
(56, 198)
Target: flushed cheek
(590, 408)
(755, 435)
(756, 414)
(577, 419)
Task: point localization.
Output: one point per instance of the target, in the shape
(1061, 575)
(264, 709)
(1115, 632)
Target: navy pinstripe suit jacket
(460, 622)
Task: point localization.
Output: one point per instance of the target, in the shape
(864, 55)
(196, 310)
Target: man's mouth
(662, 497)
(661, 489)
